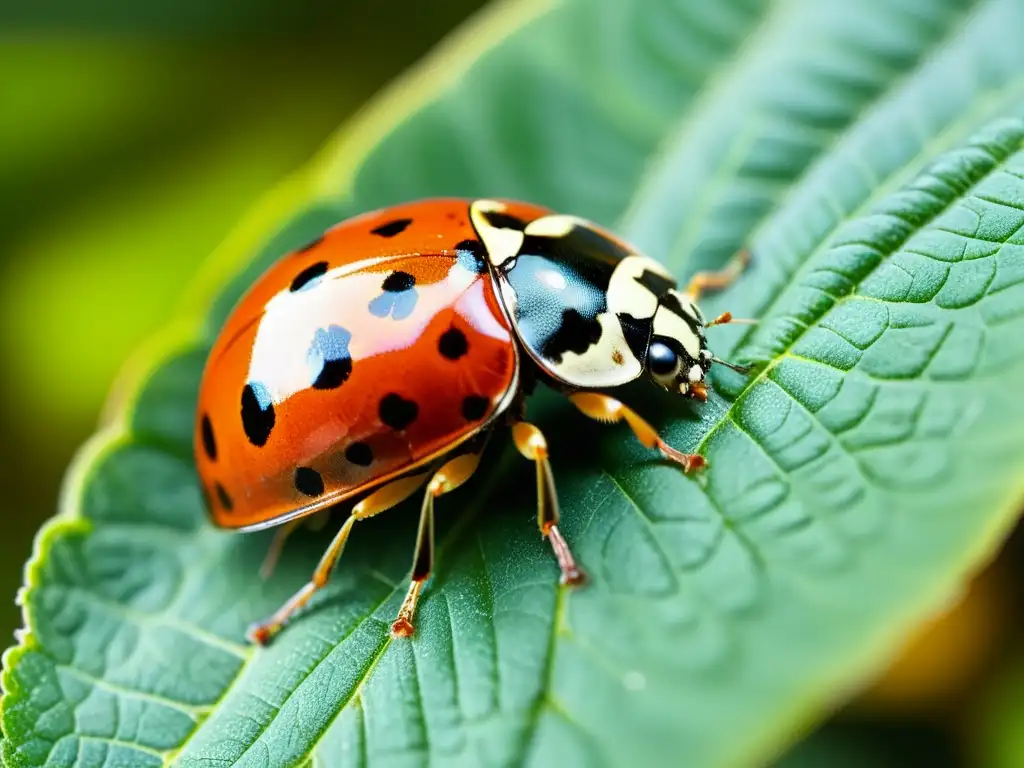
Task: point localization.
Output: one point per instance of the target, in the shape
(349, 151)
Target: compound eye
(663, 362)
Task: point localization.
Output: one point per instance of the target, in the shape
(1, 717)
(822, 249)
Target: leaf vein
(192, 710)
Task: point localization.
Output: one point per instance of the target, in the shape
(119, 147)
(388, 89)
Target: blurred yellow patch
(947, 656)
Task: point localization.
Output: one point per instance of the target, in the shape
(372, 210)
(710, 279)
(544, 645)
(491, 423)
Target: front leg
(720, 279)
(609, 410)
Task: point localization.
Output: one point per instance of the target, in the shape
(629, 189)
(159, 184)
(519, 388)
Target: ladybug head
(678, 358)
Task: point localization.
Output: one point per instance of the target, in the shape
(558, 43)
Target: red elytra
(376, 360)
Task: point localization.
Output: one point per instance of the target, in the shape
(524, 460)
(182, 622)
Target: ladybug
(378, 359)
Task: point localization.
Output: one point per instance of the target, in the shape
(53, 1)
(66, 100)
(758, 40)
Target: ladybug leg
(313, 523)
(531, 443)
(449, 477)
(719, 279)
(277, 546)
(380, 500)
(609, 410)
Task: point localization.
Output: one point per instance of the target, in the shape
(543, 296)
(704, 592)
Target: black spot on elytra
(472, 256)
(392, 228)
(209, 444)
(500, 220)
(308, 481)
(359, 454)
(397, 412)
(257, 413)
(453, 344)
(398, 298)
(655, 283)
(333, 374)
(223, 498)
(330, 363)
(575, 333)
(474, 407)
(310, 245)
(308, 275)
(397, 282)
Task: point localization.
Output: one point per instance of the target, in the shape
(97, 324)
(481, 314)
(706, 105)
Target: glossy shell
(367, 353)
(583, 302)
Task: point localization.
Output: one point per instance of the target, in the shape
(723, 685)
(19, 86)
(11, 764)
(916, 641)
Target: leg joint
(530, 441)
(439, 485)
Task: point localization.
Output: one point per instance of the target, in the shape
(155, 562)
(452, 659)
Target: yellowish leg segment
(449, 477)
(277, 546)
(313, 522)
(382, 499)
(608, 410)
(719, 279)
(531, 443)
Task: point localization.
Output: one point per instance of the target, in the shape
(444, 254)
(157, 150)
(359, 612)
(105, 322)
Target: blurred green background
(133, 136)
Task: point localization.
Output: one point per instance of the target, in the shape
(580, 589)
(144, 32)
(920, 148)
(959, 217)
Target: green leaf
(870, 154)
(996, 737)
